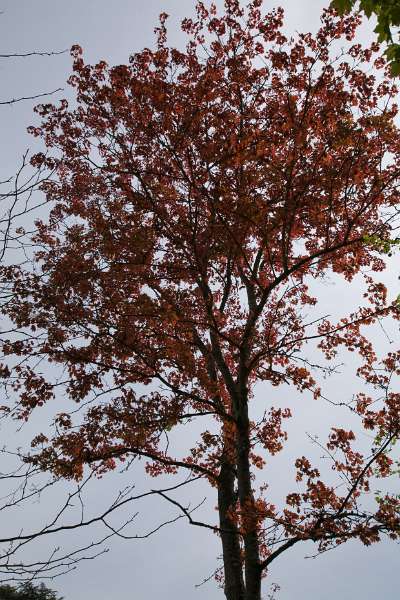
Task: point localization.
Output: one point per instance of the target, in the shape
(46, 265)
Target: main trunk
(234, 584)
(247, 506)
(237, 587)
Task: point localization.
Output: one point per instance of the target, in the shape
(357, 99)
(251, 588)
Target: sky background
(169, 564)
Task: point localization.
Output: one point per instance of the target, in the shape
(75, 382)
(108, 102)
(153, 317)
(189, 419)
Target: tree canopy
(201, 198)
(27, 591)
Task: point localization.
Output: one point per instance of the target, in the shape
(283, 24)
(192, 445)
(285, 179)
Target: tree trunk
(234, 584)
(247, 504)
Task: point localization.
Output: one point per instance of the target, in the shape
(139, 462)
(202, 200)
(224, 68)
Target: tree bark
(247, 504)
(233, 573)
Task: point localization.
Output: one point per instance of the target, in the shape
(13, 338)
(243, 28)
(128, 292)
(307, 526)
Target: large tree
(201, 198)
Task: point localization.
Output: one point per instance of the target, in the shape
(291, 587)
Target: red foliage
(198, 194)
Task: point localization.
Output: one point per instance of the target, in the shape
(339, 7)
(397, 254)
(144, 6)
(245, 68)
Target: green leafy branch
(387, 13)
(386, 246)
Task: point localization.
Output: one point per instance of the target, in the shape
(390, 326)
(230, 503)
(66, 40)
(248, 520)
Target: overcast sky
(169, 564)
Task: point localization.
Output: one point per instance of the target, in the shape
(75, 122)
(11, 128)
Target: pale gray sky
(169, 564)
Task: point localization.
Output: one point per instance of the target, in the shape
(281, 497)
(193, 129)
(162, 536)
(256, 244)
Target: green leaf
(395, 68)
(342, 6)
(383, 31)
(368, 7)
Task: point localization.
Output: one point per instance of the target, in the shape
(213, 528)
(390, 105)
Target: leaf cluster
(387, 13)
(27, 591)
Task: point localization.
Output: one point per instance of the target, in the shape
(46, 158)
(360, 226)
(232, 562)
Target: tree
(27, 591)
(200, 198)
(387, 13)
